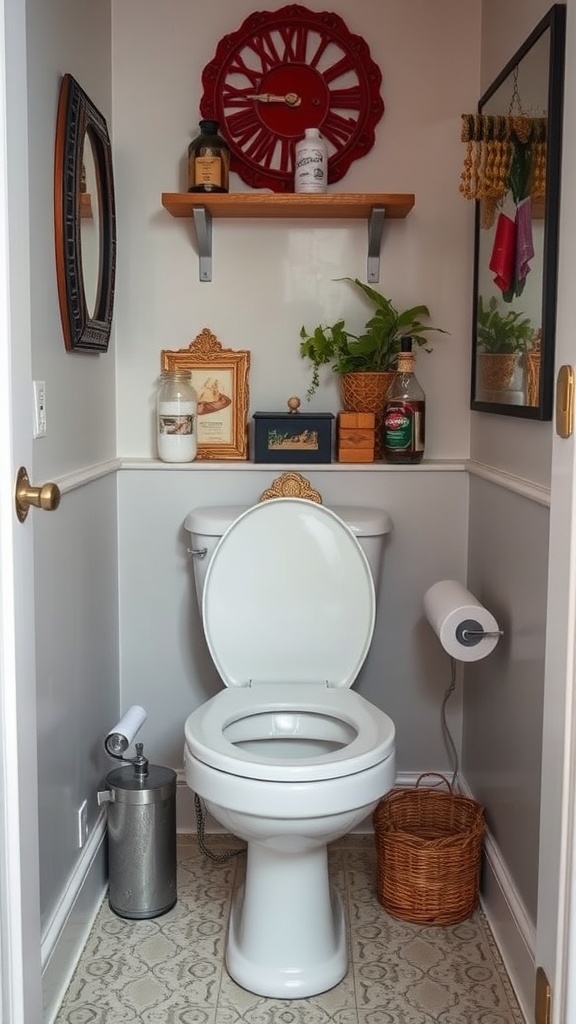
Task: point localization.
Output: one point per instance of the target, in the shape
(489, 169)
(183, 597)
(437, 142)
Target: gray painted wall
(503, 695)
(508, 559)
(164, 662)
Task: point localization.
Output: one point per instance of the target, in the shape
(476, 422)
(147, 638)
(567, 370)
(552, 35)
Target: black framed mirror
(84, 221)
(513, 169)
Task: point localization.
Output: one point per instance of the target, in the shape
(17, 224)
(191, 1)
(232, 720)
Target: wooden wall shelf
(372, 207)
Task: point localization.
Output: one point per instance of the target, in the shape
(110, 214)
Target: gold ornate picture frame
(220, 379)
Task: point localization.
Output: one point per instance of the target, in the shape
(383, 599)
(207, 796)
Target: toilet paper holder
(466, 629)
(470, 632)
(122, 735)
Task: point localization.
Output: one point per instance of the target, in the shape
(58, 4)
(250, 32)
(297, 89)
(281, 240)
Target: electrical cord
(445, 729)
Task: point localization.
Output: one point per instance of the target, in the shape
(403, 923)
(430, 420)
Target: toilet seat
(371, 732)
(288, 598)
(288, 645)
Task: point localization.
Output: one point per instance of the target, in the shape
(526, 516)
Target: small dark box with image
(293, 437)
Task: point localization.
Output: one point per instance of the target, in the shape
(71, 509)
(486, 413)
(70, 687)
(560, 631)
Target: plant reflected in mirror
(502, 336)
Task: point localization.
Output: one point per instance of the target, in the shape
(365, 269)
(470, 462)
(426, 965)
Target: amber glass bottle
(208, 160)
(405, 415)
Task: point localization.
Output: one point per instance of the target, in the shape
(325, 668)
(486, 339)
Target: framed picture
(220, 379)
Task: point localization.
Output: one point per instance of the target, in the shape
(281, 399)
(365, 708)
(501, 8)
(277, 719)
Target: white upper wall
(504, 29)
(270, 278)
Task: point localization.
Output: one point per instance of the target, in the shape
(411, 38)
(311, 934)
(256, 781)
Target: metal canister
(141, 838)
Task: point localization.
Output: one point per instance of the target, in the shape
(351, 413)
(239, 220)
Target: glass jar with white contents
(176, 411)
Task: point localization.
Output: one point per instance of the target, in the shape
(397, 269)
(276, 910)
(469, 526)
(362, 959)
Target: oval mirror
(84, 221)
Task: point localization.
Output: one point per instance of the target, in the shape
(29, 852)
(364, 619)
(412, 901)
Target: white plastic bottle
(311, 163)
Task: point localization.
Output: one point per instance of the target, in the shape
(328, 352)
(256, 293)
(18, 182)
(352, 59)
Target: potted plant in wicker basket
(366, 362)
(500, 339)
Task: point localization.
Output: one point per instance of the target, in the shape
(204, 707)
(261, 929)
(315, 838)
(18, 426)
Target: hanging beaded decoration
(492, 141)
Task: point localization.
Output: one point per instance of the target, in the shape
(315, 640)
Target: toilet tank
(207, 524)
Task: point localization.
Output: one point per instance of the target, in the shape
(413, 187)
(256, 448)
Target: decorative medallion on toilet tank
(220, 379)
(282, 72)
(291, 485)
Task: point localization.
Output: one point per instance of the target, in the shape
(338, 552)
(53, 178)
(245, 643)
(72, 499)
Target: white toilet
(287, 756)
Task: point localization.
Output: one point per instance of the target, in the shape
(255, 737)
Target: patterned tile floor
(170, 969)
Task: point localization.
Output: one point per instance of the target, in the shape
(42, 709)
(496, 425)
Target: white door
(556, 927)
(20, 975)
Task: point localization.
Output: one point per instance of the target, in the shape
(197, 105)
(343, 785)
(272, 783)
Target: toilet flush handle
(197, 552)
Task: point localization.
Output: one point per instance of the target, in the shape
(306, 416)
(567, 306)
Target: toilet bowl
(287, 756)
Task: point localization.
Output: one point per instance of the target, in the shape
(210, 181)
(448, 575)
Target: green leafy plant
(375, 349)
(497, 333)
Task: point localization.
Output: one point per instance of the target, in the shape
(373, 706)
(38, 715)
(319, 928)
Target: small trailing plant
(375, 349)
(498, 333)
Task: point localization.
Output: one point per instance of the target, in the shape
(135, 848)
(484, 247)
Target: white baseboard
(66, 935)
(511, 926)
(509, 921)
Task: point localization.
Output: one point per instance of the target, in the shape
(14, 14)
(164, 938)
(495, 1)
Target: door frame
(556, 917)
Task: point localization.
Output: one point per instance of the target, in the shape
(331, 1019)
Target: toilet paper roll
(120, 737)
(460, 621)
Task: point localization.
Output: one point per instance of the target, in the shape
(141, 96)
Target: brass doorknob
(46, 497)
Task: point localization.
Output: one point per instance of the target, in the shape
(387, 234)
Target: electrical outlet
(82, 824)
(39, 408)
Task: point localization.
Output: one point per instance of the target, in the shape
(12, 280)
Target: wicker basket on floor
(429, 851)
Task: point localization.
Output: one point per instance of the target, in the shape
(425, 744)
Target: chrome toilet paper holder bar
(470, 632)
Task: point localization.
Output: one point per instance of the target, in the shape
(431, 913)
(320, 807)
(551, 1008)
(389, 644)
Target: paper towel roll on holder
(469, 632)
(121, 736)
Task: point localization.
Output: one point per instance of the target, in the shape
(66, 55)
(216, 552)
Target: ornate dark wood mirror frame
(531, 86)
(86, 327)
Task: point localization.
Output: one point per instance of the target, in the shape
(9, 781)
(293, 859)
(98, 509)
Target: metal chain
(201, 833)
(516, 102)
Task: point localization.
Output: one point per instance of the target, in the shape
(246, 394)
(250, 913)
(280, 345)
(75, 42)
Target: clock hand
(291, 99)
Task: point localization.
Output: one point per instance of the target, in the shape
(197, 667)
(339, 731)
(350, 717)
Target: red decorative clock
(281, 72)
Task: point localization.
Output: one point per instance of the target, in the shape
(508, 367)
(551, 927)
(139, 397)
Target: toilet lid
(288, 598)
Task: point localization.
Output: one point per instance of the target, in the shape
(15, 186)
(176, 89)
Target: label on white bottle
(311, 165)
(177, 441)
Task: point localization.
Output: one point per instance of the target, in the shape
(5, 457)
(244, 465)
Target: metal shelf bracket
(375, 230)
(203, 226)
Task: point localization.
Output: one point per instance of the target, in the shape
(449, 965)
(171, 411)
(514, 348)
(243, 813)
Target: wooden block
(356, 455)
(356, 419)
(356, 438)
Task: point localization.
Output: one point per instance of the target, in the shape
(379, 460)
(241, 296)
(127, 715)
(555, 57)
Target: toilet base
(287, 936)
(297, 947)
